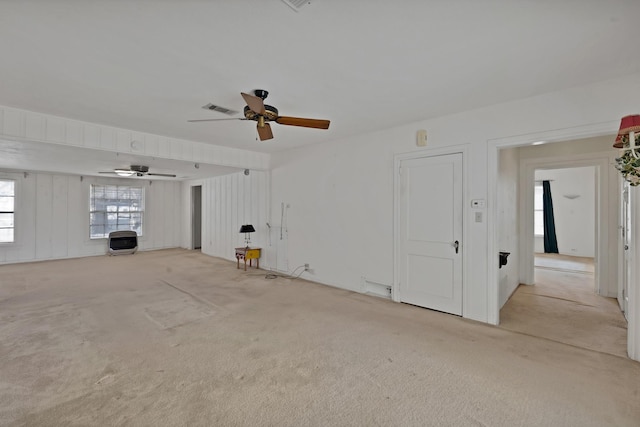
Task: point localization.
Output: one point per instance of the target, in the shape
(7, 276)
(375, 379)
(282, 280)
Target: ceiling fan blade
(256, 104)
(215, 120)
(305, 123)
(162, 174)
(264, 132)
(111, 172)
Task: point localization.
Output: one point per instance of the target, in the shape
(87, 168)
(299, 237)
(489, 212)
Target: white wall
(508, 234)
(574, 218)
(339, 220)
(52, 217)
(228, 202)
(341, 193)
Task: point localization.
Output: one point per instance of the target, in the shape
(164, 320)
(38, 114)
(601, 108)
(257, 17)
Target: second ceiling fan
(258, 111)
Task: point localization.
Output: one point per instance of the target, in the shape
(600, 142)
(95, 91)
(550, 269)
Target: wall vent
(378, 289)
(296, 4)
(219, 109)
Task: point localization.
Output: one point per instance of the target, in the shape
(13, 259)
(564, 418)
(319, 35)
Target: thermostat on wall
(478, 203)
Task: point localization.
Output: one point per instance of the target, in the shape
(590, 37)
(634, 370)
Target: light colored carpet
(563, 306)
(174, 337)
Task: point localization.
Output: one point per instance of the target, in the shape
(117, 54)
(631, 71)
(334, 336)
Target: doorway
(611, 192)
(568, 207)
(556, 285)
(196, 217)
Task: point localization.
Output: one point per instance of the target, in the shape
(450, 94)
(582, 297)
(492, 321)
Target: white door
(623, 291)
(430, 238)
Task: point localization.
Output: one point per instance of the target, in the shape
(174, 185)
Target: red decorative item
(627, 124)
(618, 143)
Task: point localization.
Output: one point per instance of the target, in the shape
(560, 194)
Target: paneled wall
(21, 125)
(52, 216)
(227, 203)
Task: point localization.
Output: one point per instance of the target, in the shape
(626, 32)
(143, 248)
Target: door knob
(456, 245)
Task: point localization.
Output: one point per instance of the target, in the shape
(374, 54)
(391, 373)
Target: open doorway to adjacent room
(567, 291)
(564, 221)
(196, 217)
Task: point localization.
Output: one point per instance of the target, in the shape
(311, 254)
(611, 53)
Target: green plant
(628, 164)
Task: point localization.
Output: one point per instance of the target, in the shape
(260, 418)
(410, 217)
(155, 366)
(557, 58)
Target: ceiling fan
(258, 111)
(137, 170)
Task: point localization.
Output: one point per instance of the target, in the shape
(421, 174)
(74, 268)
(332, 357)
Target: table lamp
(246, 229)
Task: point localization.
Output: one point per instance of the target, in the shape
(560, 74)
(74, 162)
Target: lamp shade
(248, 228)
(627, 124)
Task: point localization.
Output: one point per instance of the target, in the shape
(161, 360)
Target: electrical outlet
(306, 267)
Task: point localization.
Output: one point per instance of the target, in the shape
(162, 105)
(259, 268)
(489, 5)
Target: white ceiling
(366, 65)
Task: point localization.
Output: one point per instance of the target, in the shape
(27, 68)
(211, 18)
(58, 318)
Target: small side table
(248, 254)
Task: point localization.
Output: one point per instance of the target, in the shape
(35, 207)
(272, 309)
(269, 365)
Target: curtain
(550, 240)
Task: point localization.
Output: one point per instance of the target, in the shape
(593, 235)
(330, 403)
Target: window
(7, 210)
(538, 212)
(115, 207)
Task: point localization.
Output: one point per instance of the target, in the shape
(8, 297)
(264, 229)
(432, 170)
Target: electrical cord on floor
(284, 275)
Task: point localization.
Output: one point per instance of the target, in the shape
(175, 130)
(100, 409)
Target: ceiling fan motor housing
(140, 169)
(270, 113)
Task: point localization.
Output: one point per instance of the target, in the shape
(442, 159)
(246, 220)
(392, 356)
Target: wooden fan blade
(305, 123)
(215, 120)
(264, 132)
(256, 104)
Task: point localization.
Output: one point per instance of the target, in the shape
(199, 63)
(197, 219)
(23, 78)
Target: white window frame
(115, 206)
(13, 212)
(538, 206)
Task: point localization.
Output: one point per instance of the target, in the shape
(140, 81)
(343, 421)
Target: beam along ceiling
(366, 65)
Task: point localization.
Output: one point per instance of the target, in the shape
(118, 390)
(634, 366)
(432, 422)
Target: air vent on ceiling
(296, 4)
(219, 109)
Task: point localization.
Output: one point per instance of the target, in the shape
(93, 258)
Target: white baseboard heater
(123, 242)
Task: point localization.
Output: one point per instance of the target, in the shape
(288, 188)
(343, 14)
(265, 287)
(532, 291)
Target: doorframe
(188, 199)
(397, 182)
(556, 135)
(624, 260)
(192, 192)
(602, 217)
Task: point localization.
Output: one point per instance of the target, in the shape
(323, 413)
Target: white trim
(397, 163)
(493, 289)
(527, 179)
(633, 312)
